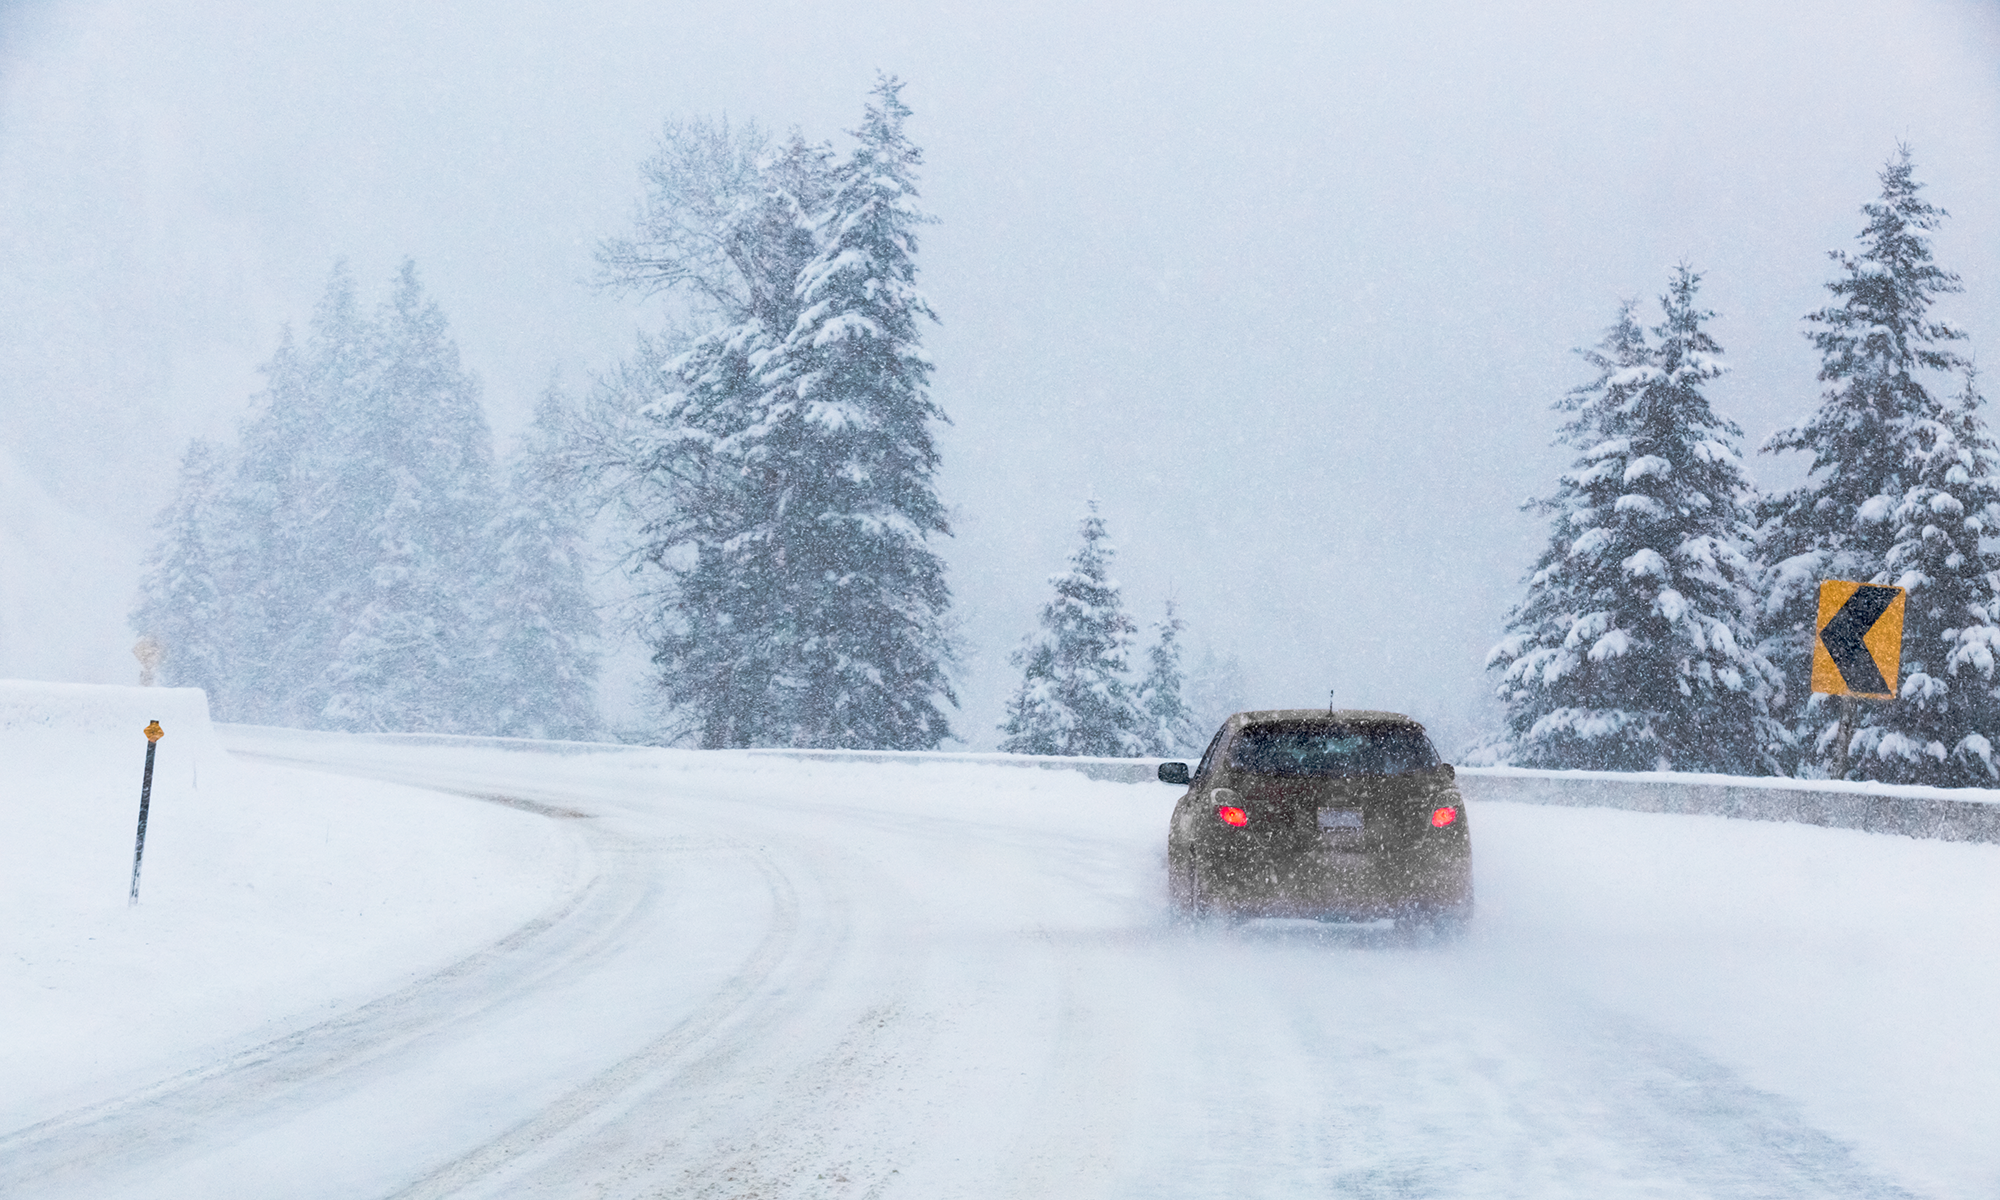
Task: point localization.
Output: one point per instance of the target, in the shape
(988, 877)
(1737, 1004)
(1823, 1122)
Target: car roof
(1343, 716)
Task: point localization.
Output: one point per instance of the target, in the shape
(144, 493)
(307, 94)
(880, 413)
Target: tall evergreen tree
(393, 669)
(1073, 699)
(1867, 441)
(291, 556)
(782, 467)
(347, 538)
(1169, 724)
(184, 590)
(415, 503)
(728, 226)
(1941, 728)
(846, 450)
(1631, 650)
(544, 624)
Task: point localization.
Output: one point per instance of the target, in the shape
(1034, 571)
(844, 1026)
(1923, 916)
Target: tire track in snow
(1367, 1096)
(248, 1088)
(713, 1031)
(694, 1112)
(780, 1097)
(547, 1151)
(1723, 1136)
(613, 893)
(1366, 1093)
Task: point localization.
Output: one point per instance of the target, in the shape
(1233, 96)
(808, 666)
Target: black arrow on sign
(1842, 639)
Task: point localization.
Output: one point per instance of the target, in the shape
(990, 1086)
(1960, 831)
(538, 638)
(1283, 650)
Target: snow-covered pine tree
(393, 670)
(291, 555)
(780, 468)
(845, 449)
(1940, 731)
(1073, 698)
(1877, 344)
(183, 593)
(717, 627)
(544, 624)
(418, 470)
(1169, 726)
(1631, 650)
(350, 529)
(727, 227)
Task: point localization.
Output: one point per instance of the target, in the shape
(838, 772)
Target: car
(1329, 815)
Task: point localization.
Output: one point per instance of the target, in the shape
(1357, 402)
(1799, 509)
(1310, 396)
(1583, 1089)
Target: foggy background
(1289, 291)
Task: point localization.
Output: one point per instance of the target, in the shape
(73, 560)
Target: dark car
(1343, 815)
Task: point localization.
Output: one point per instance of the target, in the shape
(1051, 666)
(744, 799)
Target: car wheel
(1187, 892)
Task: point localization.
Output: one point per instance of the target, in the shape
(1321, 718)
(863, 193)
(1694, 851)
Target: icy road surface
(756, 977)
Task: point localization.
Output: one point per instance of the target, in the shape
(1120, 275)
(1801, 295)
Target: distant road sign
(1859, 651)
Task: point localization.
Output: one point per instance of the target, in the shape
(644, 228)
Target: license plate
(1339, 818)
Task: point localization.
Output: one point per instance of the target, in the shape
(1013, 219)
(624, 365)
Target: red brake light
(1442, 817)
(1229, 814)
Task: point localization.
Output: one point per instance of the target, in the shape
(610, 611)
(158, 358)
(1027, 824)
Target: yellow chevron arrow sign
(1859, 650)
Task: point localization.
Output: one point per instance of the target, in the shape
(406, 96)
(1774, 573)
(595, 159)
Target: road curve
(776, 980)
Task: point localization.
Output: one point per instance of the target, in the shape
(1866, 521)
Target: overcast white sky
(1290, 290)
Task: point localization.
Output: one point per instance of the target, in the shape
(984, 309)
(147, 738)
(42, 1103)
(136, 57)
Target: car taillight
(1442, 817)
(1229, 814)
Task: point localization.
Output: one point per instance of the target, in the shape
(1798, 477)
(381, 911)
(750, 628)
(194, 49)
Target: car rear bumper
(1332, 884)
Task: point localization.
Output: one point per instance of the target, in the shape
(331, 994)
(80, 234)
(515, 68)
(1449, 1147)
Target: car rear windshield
(1336, 750)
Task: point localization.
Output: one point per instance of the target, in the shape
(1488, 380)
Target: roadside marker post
(153, 735)
(1857, 651)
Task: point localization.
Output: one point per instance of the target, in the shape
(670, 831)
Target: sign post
(1858, 653)
(153, 735)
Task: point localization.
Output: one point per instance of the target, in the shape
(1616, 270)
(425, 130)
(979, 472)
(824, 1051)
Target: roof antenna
(1329, 702)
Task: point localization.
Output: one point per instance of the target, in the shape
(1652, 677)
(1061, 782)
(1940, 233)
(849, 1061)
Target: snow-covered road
(759, 977)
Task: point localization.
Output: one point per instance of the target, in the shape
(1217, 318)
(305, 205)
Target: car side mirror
(1450, 772)
(1174, 772)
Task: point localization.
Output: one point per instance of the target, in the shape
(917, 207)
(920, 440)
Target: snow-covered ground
(270, 897)
(739, 975)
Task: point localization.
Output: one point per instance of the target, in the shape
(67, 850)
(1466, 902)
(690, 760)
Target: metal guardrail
(1111, 770)
(1971, 815)
(1116, 770)
(1944, 814)
(279, 733)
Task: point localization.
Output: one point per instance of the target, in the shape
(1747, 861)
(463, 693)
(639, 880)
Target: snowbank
(71, 723)
(74, 709)
(269, 895)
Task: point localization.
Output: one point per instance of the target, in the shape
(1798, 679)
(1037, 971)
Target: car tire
(1180, 900)
(1186, 891)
